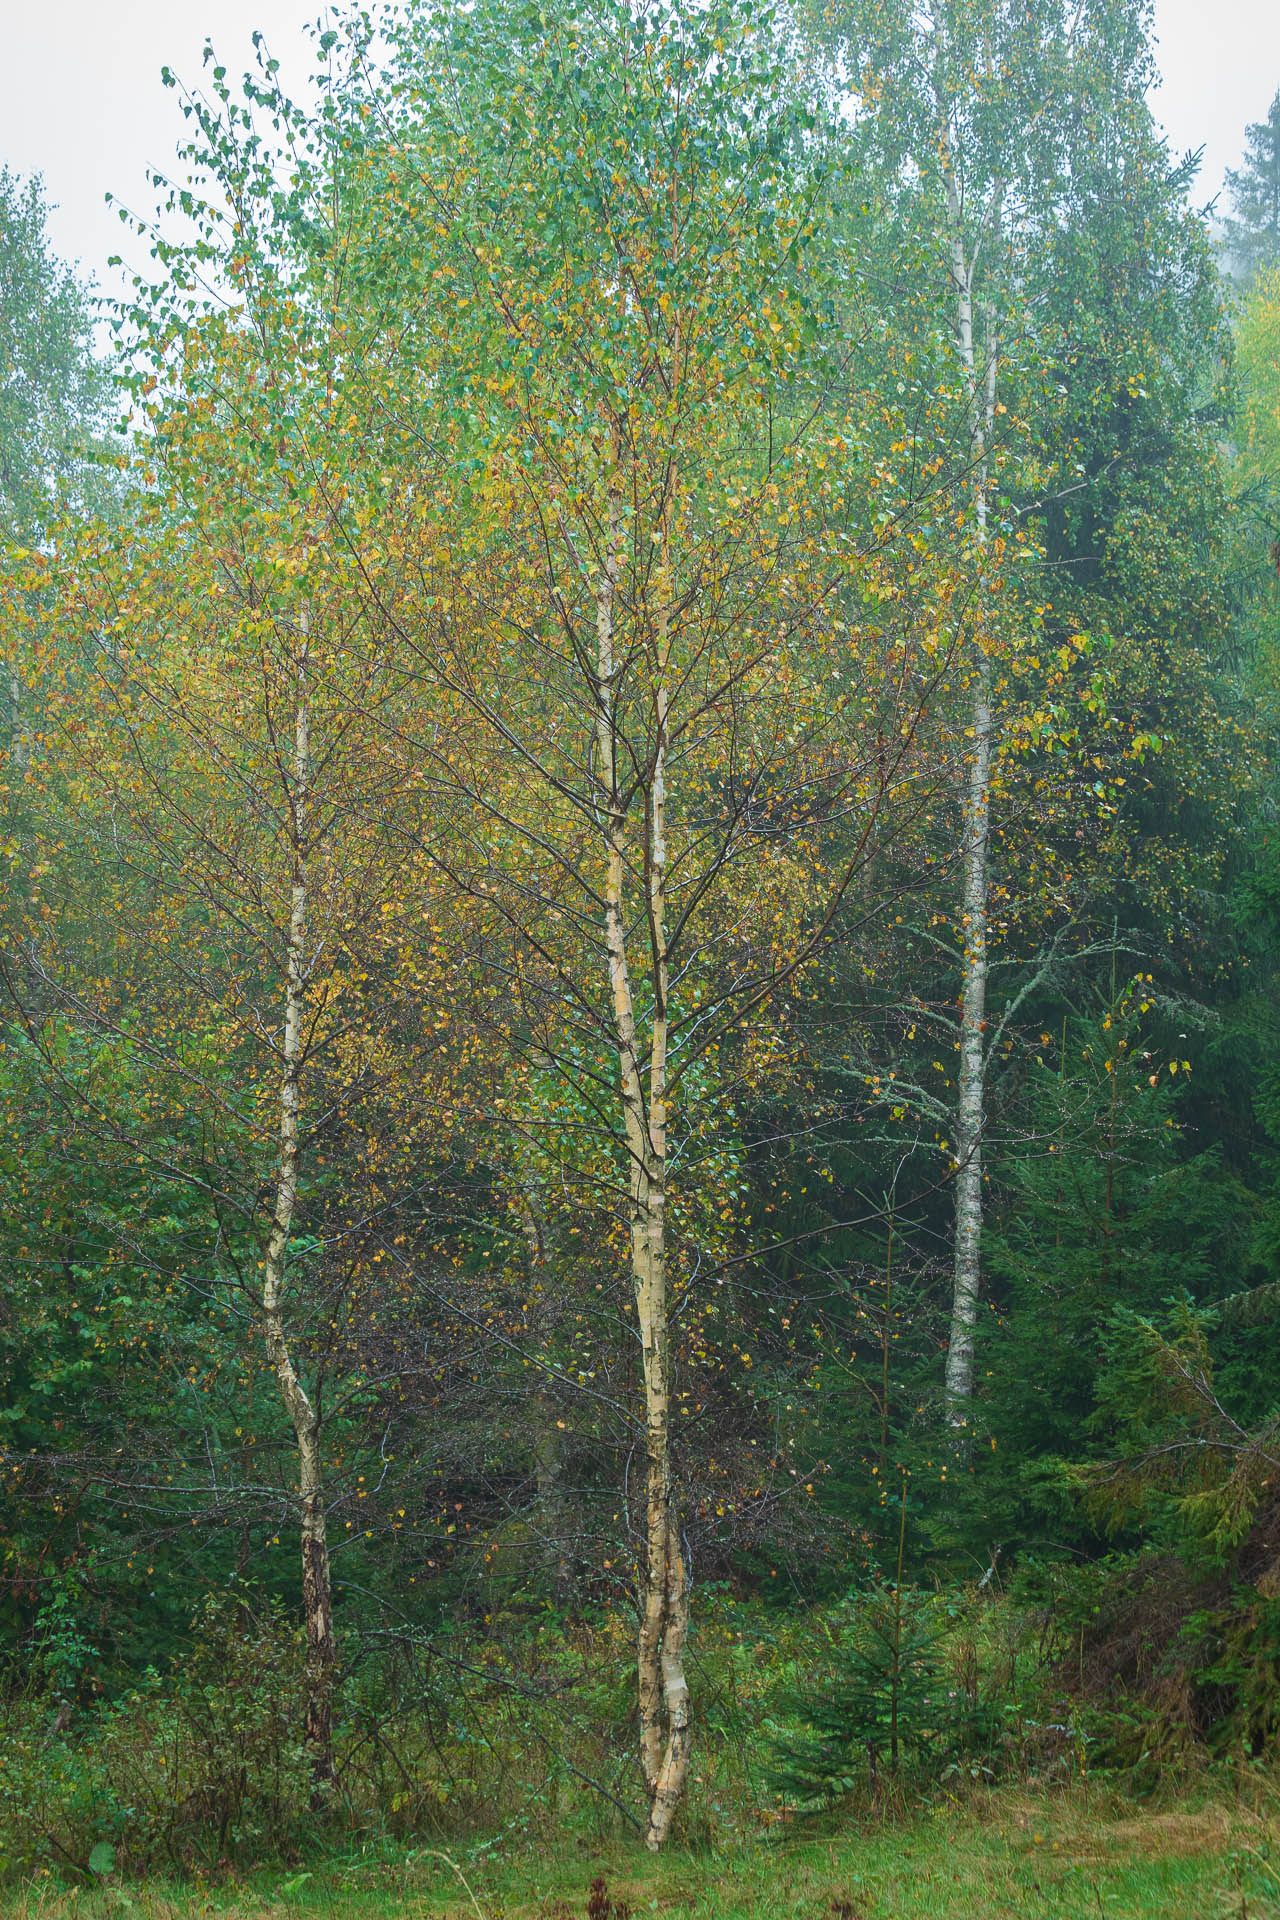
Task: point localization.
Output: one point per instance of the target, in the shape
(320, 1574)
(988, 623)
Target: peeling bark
(668, 1788)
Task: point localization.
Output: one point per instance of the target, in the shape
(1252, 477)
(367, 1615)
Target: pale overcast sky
(81, 99)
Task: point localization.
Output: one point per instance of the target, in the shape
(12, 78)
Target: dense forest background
(640, 1088)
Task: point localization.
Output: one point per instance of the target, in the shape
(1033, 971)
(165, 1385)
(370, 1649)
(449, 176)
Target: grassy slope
(1008, 1854)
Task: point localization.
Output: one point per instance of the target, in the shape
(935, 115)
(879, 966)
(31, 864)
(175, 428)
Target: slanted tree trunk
(971, 1099)
(304, 1415)
(662, 1688)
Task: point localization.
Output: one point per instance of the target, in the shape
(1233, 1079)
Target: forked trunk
(663, 1693)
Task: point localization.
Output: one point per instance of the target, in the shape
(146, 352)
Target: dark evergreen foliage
(1253, 233)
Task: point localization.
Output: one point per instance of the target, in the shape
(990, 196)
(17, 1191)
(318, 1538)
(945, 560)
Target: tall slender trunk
(972, 1079)
(662, 1689)
(668, 1788)
(886, 1323)
(316, 1585)
(971, 1098)
(1113, 1107)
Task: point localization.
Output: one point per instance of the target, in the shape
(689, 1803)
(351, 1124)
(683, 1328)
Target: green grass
(1080, 1853)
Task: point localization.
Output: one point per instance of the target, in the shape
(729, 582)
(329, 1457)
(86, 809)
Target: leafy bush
(199, 1765)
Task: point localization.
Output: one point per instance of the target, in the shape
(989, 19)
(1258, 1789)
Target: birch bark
(303, 1413)
(971, 1101)
(662, 1688)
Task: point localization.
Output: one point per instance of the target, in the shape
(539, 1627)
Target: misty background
(81, 100)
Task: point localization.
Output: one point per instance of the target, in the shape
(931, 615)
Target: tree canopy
(639, 939)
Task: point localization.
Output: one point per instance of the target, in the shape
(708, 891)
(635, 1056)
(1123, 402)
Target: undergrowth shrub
(1169, 1661)
(523, 1732)
(200, 1765)
(900, 1703)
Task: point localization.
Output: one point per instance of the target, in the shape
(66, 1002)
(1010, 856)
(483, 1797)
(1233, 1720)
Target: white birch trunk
(972, 1078)
(316, 1585)
(662, 1689)
(971, 1098)
(668, 1788)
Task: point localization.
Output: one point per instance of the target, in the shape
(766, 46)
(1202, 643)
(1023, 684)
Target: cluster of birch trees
(662, 597)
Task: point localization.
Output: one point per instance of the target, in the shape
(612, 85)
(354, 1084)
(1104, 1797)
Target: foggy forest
(640, 983)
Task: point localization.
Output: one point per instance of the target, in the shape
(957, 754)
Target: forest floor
(1006, 1854)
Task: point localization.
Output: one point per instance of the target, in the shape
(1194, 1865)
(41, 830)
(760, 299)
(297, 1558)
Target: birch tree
(214, 698)
(695, 691)
(978, 119)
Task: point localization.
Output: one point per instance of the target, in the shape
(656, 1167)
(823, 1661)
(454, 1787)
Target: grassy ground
(1076, 1854)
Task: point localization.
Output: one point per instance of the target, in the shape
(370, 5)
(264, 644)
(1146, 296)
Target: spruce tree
(1253, 235)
